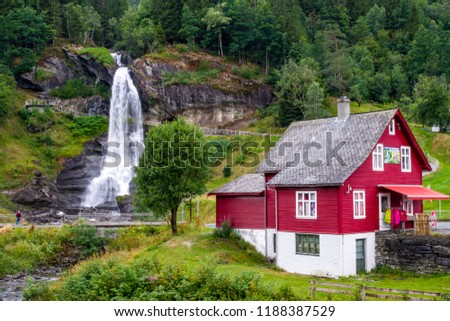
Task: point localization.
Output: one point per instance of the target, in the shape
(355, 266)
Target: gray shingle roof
(357, 135)
(247, 184)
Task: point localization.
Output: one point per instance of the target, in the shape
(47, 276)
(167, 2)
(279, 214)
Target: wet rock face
(216, 104)
(51, 72)
(78, 172)
(85, 64)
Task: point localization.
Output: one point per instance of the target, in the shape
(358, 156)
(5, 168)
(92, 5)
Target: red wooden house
(320, 195)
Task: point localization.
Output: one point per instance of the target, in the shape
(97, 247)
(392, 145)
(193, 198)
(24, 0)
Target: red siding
(243, 211)
(327, 211)
(270, 203)
(364, 178)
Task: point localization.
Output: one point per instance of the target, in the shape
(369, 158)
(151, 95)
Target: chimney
(343, 105)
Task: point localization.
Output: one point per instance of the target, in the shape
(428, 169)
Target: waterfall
(125, 133)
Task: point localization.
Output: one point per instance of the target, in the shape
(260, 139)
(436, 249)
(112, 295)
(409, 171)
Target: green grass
(196, 248)
(22, 152)
(438, 146)
(99, 54)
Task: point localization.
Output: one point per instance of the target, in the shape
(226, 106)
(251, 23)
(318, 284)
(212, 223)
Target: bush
(146, 279)
(88, 126)
(73, 88)
(227, 171)
(86, 240)
(37, 121)
(225, 231)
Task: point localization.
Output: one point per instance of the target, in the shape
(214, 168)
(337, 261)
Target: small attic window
(392, 127)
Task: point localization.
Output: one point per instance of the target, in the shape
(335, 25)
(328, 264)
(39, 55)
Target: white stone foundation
(337, 255)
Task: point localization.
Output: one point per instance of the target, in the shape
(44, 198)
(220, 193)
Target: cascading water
(125, 141)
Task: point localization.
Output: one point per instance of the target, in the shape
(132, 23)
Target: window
(359, 204)
(377, 158)
(408, 206)
(307, 244)
(406, 158)
(274, 243)
(392, 127)
(306, 205)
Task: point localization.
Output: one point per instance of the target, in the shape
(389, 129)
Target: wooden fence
(422, 224)
(223, 132)
(362, 292)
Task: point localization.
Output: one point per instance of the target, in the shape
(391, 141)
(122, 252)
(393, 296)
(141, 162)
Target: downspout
(265, 218)
(340, 200)
(276, 220)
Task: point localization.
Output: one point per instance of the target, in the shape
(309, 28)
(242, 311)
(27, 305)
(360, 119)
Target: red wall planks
(246, 212)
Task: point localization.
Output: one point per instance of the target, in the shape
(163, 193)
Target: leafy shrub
(225, 231)
(252, 72)
(146, 279)
(86, 240)
(42, 74)
(73, 88)
(88, 126)
(227, 171)
(37, 121)
(103, 90)
(100, 54)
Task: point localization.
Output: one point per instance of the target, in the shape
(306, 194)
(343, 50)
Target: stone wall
(421, 254)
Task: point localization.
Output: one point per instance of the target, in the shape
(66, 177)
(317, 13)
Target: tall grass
(99, 54)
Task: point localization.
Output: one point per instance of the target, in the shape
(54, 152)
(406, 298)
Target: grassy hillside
(54, 137)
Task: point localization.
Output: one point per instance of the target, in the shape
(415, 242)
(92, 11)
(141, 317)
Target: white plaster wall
(337, 255)
(255, 238)
(349, 258)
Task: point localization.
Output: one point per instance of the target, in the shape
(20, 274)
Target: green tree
(23, 35)
(376, 18)
(432, 99)
(241, 29)
(189, 24)
(291, 90)
(7, 92)
(314, 102)
(267, 34)
(424, 55)
(216, 20)
(173, 167)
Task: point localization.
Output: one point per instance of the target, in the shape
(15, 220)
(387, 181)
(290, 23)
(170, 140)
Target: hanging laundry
(395, 217)
(403, 216)
(387, 216)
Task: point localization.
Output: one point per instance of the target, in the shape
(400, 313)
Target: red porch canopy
(416, 192)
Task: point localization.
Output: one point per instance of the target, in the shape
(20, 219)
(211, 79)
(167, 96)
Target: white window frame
(392, 127)
(405, 159)
(304, 205)
(408, 206)
(357, 215)
(378, 158)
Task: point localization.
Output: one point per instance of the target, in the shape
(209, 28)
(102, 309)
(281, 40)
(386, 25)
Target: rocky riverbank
(12, 286)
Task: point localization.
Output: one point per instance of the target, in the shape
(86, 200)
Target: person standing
(18, 217)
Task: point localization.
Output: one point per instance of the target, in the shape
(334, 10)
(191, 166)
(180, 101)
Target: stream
(11, 286)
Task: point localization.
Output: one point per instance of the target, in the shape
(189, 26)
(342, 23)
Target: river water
(11, 286)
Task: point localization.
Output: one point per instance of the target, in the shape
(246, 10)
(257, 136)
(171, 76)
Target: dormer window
(392, 127)
(377, 158)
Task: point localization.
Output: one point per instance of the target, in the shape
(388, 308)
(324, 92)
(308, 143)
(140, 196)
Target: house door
(384, 203)
(360, 255)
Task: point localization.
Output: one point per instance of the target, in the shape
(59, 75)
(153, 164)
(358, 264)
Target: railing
(223, 132)
(362, 292)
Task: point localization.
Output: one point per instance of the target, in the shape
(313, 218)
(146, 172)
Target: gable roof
(352, 139)
(248, 184)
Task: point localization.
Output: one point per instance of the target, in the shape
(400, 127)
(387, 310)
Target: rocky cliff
(216, 102)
